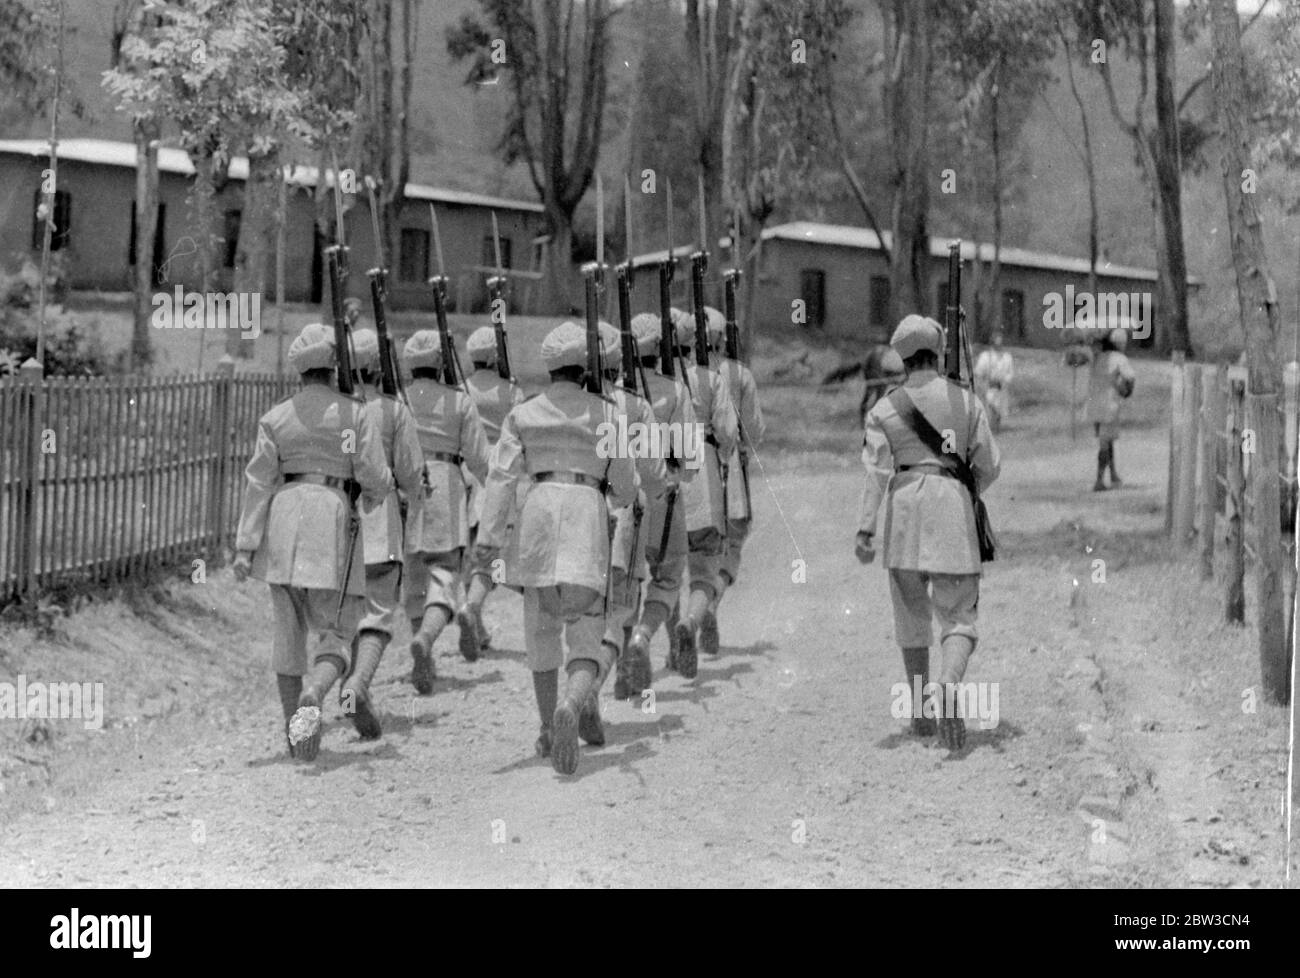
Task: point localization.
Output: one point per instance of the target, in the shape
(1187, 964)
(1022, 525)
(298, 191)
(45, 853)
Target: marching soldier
(664, 530)
(744, 398)
(705, 498)
(1109, 385)
(931, 546)
(628, 560)
(450, 435)
(494, 397)
(562, 536)
(381, 532)
(314, 451)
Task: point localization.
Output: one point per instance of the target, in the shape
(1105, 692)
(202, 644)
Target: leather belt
(571, 479)
(317, 479)
(938, 468)
(444, 457)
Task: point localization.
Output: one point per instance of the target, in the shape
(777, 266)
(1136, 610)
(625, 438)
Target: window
(413, 265)
(231, 238)
(490, 253)
(158, 239)
(812, 288)
(1013, 313)
(878, 316)
(61, 232)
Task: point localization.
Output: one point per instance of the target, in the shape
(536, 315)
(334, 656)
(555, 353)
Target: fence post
(1265, 469)
(1211, 428)
(32, 376)
(1235, 610)
(1185, 499)
(223, 383)
(1177, 382)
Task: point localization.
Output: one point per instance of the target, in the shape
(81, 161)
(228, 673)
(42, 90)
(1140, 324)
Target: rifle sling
(921, 427)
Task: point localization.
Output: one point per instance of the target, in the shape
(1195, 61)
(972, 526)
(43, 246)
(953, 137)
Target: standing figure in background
(1109, 385)
(494, 397)
(993, 373)
(451, 435)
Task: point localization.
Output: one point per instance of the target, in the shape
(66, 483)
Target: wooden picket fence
(1219, 448)
(109, 479)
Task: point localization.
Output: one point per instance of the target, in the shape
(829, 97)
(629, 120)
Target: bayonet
(594, 274)
(389, 371)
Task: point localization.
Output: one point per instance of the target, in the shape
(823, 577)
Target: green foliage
(72, 346)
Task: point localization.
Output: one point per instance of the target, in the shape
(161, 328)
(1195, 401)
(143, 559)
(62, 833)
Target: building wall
(101, 203)
(847, 276)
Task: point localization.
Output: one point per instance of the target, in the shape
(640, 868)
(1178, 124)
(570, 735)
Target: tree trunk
(257, 228)
(908, 109)
(1168, 183)
(994, 319)
(1259, 319)
(557, 294)
(146, 227)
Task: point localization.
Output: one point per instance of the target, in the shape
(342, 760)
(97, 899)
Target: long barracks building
(841, 276)
(95, 221)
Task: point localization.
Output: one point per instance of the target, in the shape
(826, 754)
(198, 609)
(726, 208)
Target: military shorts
(432, 579)
(300, 611)
(383, 597)
(920, 596)
(563, 612)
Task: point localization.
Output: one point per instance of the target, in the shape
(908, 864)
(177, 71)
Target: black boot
(546, 687)
(355, 693)
(470, 629)
(431, 625)
(564, 745)
(637, 658)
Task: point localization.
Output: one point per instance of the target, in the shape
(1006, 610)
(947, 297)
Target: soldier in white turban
(382, 532)
(451, 435)
(561, 535)
(315, 452)
(918, 439)
(494, 396)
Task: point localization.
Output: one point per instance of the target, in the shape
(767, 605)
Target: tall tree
(712, 45)
(996, 50)
(1084, 150)
(1257, 303)
(909, 35)
(1144, 30)
(132, 19)
(554, 55)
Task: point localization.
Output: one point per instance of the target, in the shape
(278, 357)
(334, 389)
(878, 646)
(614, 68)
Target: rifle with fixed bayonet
(699, 263)
(452, 373)
(390, 374)
(731, 282)
(955, 340)
(594, 276)
(337, 255)
(496, 287)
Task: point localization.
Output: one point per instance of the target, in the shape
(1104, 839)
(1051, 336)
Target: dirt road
(1122, 754)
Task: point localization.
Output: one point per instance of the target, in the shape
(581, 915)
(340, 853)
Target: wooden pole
(1235, 605)
(31, 468)
(1177, 425)
(279, 270)
(1185, 511)
(1209, 490)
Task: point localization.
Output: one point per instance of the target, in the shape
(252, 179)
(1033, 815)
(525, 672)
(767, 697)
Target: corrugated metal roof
(856, 237)
(107, 152)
